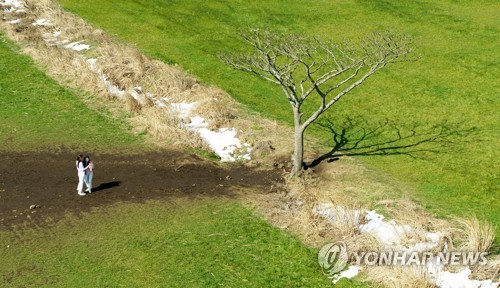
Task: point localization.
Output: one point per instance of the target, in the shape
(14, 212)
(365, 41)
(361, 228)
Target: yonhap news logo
(334, 257)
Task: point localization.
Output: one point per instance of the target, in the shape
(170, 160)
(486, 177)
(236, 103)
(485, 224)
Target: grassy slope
(187, 243)
(456, 81)
(194, 243)
(37, 113)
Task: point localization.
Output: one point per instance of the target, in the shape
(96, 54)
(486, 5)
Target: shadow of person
(107, 185)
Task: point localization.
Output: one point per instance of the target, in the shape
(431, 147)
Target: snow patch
(337, 213)
(224, 142)
(462, 279)
(12, 6)
(387, 233)
(183, 108)
(390, 234)
(77, 46)
(112, 89)
(41, 22)
(17, 21)
(351, 272)
(14, 3)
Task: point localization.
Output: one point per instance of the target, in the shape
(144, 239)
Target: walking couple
(85, 168)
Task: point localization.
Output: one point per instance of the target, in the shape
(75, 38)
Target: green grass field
(38, 114)
(186, 243)
(456, 81)
(183, 243)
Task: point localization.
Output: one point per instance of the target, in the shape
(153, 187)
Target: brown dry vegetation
(490, 271)
(474, 234)
(400, 277)
(125, 67)
(290, 206)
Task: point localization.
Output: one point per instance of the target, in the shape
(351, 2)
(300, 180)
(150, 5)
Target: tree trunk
(298, 152)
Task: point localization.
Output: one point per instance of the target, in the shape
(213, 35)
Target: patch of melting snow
(134, 94)
(389, 234)
(113, 89)
(159, 103)
(62, 42)
(17, 21)
(184, 109)
(15, 3)
(137, 93)
(462, 279)
(351, 272)
(196, 122)
(77, 46)
(41, 22)
(12, 6)
(386, 232)
(223, 141)
(92, 64)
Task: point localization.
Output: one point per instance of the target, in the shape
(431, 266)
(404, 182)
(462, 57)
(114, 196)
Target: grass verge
(183, 243)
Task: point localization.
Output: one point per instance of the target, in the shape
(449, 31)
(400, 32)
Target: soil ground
(49, 180)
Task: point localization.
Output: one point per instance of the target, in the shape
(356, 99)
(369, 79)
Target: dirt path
(49, 181)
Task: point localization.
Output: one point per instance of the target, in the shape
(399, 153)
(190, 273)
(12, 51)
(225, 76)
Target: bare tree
(312, 66)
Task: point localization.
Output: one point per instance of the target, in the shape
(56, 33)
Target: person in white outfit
(89, 173)
(81, 174)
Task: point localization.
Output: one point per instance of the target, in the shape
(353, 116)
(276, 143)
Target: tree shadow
(107, 185)
(362, 138)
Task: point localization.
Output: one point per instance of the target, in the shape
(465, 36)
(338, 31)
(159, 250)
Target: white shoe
(81, 193)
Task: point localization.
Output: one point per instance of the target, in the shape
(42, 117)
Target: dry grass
(291, 208)
(133, 106)
(362, 243)
(408, 212)
(474, 235)
(122, 65)
(166, 81)
(256, 129)
(400, 277)
(216, 107)
(163, 125)
(347, 221)
(491, 271)
(147, 102)
(125, 67)
(263, 148)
